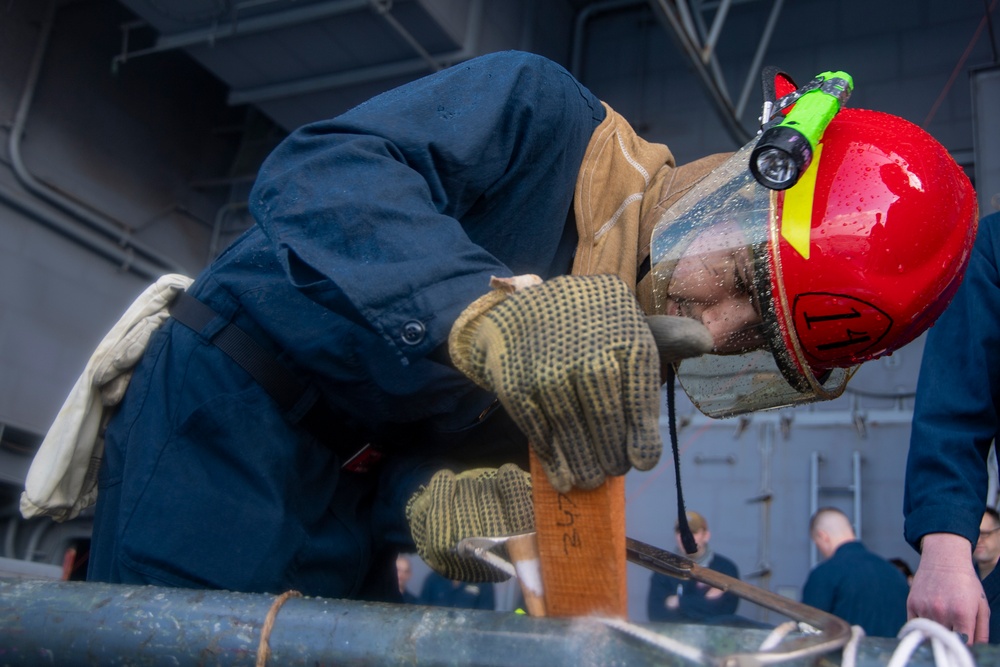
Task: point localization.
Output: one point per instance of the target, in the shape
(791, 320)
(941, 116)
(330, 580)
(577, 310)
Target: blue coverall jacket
(955, 416)
(374, 230)
(860, 587)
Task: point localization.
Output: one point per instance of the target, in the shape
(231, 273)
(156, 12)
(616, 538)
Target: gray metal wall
(151, 148)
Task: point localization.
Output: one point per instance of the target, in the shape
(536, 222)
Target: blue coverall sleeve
(955, 414)
(401, 209)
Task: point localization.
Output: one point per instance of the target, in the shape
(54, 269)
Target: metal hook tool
(826, 632)
(832, 633)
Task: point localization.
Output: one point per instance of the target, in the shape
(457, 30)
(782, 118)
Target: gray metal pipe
(123, 257)
(86, 623)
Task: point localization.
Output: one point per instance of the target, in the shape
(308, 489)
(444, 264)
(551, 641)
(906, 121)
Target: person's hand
(576, 366)
(946, 588)
(485, 502)
(672, 602)
(714, 593)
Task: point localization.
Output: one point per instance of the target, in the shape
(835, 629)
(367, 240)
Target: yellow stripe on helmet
(796, 219)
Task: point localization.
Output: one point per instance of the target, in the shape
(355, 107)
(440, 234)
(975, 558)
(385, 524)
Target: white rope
(849, 656)
(777, 635)
(948, 649)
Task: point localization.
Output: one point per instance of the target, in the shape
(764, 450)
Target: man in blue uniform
(376, 230)
(955, 419)
(684, 600)
(853, 583)
(343, 383)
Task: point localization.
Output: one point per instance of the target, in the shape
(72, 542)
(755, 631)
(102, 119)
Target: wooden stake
(581, 546)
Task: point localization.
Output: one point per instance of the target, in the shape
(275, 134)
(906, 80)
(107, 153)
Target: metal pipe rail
(84, 623)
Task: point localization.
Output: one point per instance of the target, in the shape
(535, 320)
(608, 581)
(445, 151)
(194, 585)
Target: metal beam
(667, 14)
(238, 28)
(684, 20)
(359, 75)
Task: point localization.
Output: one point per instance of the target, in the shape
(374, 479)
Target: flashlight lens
(777, 167)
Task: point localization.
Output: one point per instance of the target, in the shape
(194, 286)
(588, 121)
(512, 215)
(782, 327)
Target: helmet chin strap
(687, 537)
(644, 293)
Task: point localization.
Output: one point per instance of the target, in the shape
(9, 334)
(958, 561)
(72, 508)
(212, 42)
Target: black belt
(277, 380)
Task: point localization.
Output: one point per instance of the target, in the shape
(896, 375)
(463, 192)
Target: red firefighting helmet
(867, 250)
(852, 262)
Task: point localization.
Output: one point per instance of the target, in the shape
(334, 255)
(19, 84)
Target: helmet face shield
(711, 261)
(703, 255)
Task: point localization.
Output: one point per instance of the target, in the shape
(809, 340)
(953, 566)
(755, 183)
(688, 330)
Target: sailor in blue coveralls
(955, 420)
(375, 229)
(300, 417)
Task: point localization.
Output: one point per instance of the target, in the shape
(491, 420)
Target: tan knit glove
(486, 502)
(575, 365)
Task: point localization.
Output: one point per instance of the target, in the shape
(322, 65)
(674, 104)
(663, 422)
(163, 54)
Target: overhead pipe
(146, 257)
(122, 257)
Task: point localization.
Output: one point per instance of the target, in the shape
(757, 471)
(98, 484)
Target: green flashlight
(785, 149)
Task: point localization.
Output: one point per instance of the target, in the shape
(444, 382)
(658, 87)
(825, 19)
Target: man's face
(987, 549)
(713, 282)
(700, 539)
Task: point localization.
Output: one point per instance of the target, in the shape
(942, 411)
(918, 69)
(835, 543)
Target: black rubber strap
(273, 376)
(356, 454)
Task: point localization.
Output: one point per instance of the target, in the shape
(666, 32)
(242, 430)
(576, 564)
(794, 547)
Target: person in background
(853, 583)
(404, 571)
(903, 567)
(955, 421)
(685, 600)
(439, 591)
(987, 550)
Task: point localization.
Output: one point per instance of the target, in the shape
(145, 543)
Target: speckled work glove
(486, 502)
(575, 365)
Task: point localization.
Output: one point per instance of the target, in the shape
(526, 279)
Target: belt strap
(276, 379)
(273, 376)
